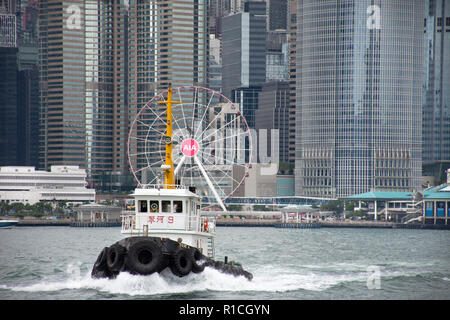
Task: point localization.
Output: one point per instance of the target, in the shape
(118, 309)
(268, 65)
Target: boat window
(154, 206)
(143, 206)
(166, 207)
(178, 206)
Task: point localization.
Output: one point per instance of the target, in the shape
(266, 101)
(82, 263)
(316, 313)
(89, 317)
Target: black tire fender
(196, 257)
(115, 257)
(100, 269)
(181, 262)
(100, 263)
(144, 257)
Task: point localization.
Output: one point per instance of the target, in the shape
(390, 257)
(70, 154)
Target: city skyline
(99, 62)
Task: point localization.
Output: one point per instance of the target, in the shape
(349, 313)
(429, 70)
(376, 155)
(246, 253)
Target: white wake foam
(265, 280)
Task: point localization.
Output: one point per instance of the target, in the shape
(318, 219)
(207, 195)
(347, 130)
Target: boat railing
(208, 224)
(133, 224)
(192, 223)
(127, 221)
(162, 186)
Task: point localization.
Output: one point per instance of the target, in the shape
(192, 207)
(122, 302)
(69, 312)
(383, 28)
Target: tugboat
(166, 230)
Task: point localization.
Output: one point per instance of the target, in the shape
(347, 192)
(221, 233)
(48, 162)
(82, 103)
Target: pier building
(27, 185)
(429, 206)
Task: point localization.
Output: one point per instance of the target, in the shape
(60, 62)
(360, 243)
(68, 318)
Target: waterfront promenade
(230, 222)
(329, 224)
(64, 223)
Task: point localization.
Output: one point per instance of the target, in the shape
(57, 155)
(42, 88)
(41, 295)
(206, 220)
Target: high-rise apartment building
(100, 62)
(292, 40)
(436, 106)
(168, 44)
(83, 86)
(359, 96)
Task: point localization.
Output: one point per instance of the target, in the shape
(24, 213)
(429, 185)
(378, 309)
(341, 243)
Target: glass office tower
(436, 107)
(168, 44)
(359, 95)
(83, 86)
(100, 62)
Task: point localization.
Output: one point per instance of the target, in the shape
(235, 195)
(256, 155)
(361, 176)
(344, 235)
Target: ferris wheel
(211, 142)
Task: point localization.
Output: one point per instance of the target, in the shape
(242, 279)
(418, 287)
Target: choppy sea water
(52, 263)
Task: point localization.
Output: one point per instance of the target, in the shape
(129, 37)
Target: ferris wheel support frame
(208, 181)
(190, 144)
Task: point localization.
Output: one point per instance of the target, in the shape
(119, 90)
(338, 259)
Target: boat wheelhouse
(170, 213)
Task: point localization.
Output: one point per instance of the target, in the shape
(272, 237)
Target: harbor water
(54, 263)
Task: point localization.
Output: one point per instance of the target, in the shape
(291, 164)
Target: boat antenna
(168, 167)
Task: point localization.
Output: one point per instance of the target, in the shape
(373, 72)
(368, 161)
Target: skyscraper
(28, 84)
(277, 55)
(277, 14)
(292, 40)
(168, 44)
(244, 56)
(100, 61)
(8, 83)
(19, 85)
(8, 105)
(83, 86)
(273, 113)
(436, 106)
(359, 72)
(215, 64)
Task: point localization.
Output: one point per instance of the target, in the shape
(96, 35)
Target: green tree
(261, 207)
(349, 205)
(4, 208)
(41, 208)
(333, 205)
(234, 207)
(18, 207)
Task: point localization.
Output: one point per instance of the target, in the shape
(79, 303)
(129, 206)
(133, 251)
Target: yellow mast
(169, 175)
